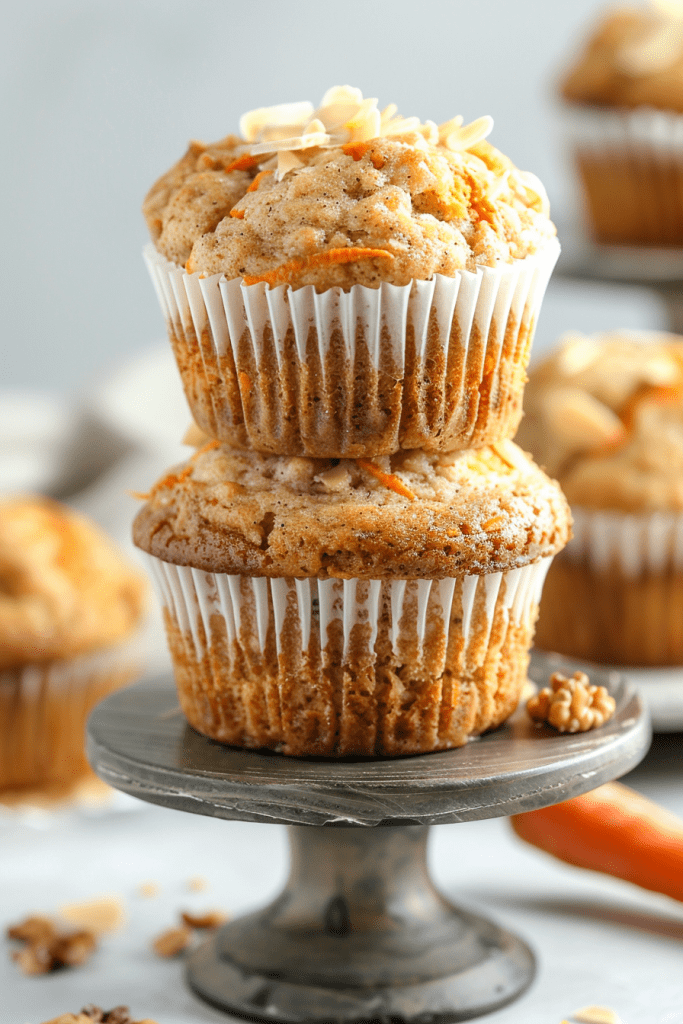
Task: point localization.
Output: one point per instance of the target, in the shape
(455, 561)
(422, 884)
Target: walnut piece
(210, 919)
(173, 941)
(48, 948)
(572, 705)
(119, 1015)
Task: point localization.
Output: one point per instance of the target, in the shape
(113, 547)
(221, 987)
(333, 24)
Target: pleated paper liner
(341, 667)
(44, 708)
(438, 364)
(615, 594)
(630, 164)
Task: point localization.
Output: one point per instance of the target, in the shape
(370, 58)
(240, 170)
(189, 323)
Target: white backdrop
(100, 96)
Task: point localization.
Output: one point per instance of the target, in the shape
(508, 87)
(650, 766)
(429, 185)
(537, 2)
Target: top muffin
(634, 58)
(346, 195)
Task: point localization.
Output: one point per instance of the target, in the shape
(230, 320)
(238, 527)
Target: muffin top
(634, 58)
(64, 588)
(346, 195)
(405, 516)
(605, 415)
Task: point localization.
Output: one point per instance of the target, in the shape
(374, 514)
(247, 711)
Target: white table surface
(598, 940)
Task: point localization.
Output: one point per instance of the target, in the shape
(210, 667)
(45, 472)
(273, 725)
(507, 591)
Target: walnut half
(572, 705)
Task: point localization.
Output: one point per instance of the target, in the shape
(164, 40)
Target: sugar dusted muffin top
(408, 516)
(345, 195)
(605, 415)
(634, 58)
(64, 587)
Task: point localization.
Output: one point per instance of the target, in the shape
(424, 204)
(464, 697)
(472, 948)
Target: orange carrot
(389, 480)
(614, 830)
(237, 213)
(283, 273)
(242, 163)
(257, 180)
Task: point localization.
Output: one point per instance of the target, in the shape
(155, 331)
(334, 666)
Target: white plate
(144, 402)
(661, 689)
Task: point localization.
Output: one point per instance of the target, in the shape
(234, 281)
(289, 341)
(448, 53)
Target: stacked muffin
(352, 562)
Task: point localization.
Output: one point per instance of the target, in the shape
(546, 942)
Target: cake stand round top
(139, 742)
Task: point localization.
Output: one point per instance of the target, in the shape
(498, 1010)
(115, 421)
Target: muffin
(70, 606)
(624, 120)
(605, 415)
(342, 282)
(351, 607)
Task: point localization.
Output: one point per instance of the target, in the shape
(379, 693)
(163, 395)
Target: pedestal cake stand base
(359, 933)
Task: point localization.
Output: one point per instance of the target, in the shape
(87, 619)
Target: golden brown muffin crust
(408, 516)
(64, 588)
(605, 415)
(634, 58)
(394, 208)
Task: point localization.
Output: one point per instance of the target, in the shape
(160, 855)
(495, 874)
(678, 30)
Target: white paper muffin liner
(643, 129)
(44, 707)
(435, 364)
(631, 167)
(194, 597)
(339, 667)
(632, 544)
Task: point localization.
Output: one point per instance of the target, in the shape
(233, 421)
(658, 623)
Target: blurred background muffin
(624, 120)
(70, 606)
(604, 414)
(342, 282)
(318, 606)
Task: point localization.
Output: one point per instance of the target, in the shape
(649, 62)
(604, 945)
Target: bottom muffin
(350, 607)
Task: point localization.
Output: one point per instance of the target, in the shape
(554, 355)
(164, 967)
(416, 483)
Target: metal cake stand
(359, 932)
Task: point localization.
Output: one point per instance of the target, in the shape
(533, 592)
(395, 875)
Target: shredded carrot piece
(209, 446)
(281, 274)
(171, 479)
(493, 523)
(245, 381)
(389, 480)
(257, 180)
(242, 163)
(237, 213)
(139, 495)
(356, 149)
